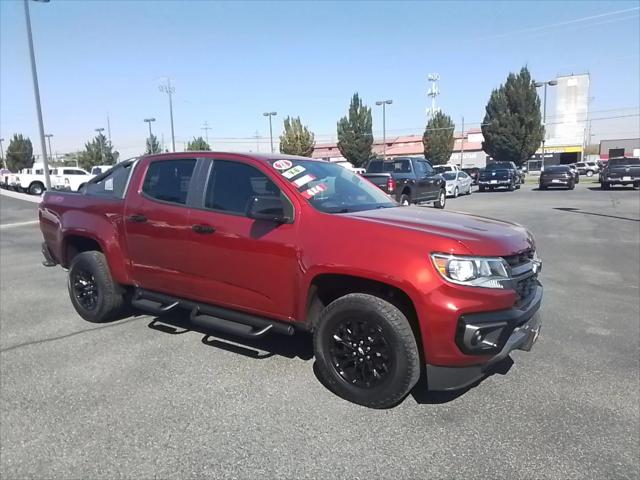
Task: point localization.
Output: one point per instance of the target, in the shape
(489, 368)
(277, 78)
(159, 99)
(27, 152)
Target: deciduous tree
(97, 151)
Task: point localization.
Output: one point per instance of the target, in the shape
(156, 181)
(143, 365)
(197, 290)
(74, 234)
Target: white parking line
(18, 224)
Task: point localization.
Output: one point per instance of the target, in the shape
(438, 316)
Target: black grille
(526, 288)
(520, 259)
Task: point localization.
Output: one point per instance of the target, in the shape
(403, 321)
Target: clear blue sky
(232, 61)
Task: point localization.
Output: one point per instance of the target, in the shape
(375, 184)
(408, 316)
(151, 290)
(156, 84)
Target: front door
(157, 226)
(242, 263)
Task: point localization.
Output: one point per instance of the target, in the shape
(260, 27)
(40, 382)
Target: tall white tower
(433, 92)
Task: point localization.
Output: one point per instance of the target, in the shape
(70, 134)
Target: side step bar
(209, 316)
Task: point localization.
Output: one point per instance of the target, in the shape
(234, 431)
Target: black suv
(500, 174)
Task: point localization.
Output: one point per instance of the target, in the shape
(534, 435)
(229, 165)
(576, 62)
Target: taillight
(391, 184)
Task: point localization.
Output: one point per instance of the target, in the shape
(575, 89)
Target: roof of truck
(265, 157)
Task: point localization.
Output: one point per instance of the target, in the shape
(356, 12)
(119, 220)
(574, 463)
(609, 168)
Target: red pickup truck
(256, 244)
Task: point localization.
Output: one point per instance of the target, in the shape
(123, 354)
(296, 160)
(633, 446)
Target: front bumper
(503, 331)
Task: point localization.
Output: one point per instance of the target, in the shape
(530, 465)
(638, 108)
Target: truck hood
(479, 235)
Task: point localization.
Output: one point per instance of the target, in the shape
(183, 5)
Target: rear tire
(442, 199)
(366, 351)
(481, 189)
(589, 173)
(94, 294)
(36, 188)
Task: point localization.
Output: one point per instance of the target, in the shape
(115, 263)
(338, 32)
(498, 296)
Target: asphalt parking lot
(80, 400)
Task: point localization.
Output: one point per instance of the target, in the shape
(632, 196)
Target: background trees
(438, 139)
(198, 144)
(97, 151)
(152, 146)
(296, 138)
(354, 133)
(512, 126)
(19, 153)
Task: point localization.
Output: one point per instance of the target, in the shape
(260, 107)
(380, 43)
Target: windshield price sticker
(292, 172)
(303, 180)
(314, 191)
(282, 164)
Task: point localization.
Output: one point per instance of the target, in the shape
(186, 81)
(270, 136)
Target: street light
(270, 114)
(48, 136)
(36, 93)
(384, 104)
(551, 83)
(100, 130)
(149, 120)
(169, 90)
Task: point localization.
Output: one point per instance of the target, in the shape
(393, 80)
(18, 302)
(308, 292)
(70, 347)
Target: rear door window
(168, 180)
(113, 185)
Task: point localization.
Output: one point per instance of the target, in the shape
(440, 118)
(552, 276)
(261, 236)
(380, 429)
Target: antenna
(433, 92)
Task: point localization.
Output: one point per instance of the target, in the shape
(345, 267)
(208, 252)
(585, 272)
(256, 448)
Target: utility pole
(148, 121)
(36, 92)
(169, 90)
(100, 130)
(270, 114)
(384, 104)
(544, 112)
(108, 128)
(206, 129)
(48, 136)
(462, 144)
(4, 160)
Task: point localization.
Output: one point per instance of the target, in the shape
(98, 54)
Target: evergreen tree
(97, 151)
(19, 154)
(512, 127)
(354, 133)
(438, 139)
(152, 145)
(198, 145)
(296, 138)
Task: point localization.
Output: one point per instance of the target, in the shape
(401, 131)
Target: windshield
(614, 162)
(396, 166)
(449, 175)
(331, 188)
(498, 166)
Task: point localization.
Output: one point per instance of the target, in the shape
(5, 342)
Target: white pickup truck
(70, 179)
(31, 180)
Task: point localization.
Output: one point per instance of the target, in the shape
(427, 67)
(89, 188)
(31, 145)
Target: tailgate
(378, 179)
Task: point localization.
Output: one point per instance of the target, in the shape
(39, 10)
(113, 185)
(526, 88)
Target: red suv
(252, 245)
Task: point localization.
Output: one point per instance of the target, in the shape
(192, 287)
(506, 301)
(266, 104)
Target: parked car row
(32, 180)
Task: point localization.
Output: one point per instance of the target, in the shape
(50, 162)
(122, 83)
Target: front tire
(442, 199)
(405, 199)
(366, 351)
(94, 294)
(456, 192)
(605, 186)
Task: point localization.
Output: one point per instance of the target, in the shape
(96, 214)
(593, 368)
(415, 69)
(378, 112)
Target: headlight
(472, 271)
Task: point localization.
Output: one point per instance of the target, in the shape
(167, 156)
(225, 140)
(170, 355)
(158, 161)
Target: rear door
(241, 262)
(157, 225)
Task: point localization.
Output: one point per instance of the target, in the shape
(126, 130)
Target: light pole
(551, 83)
(48, 136)
(206, 129)
(384, 104)
(100, 130)
(149, 120)
(4, 161)
(169, 90)
(36, 92)
(270, 114)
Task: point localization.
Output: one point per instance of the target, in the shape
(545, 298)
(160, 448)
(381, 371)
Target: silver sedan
(458, 183)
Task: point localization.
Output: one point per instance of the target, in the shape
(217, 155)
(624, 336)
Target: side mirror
(267, 208)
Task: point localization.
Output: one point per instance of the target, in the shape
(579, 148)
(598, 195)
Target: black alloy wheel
(360, 353)
(85, 289)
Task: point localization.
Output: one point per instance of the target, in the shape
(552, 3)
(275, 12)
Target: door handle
(138, 218)
(204, 229)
